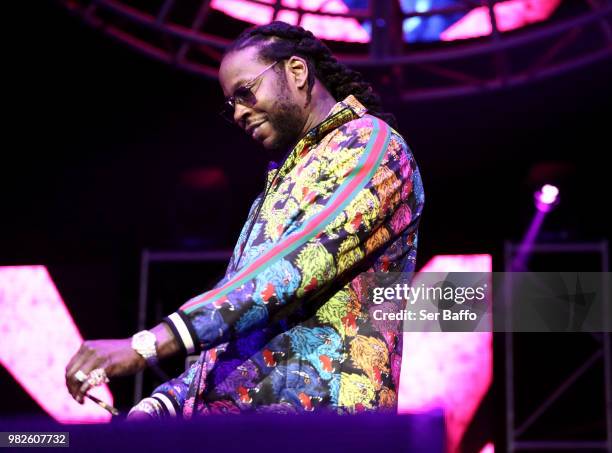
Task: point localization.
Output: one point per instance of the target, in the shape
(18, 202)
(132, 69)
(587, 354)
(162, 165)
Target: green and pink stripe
(348, 190)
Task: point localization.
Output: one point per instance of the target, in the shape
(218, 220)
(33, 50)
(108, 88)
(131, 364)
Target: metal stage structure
(191, 35)
(520, 433)
(151, 307)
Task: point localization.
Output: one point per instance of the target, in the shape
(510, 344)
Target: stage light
(509, 15)
(488, 448)
(451, 370)
(39, 337)
(546, 198)
(451, 23)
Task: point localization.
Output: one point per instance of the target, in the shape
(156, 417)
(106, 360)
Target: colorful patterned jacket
(289, 329)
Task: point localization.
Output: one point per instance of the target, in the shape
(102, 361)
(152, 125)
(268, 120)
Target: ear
(298, 71)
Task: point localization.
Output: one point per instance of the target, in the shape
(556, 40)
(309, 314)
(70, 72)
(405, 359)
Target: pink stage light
(325, 27)
(488, 448)
(38, 339)
(459, 263)
(509, 15)
(451, 370)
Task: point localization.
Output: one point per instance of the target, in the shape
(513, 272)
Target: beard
(287, 120)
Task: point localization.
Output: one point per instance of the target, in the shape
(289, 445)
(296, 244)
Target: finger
(70, 366)
(85, 386)
(77, 361)
(86, 364)
(73, 359)
(73, 383)
(82, 391)
(82, 387)
(77, 355)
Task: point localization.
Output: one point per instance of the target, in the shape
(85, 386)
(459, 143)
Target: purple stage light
(546, 198)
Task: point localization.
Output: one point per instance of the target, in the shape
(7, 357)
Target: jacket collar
(342, 112)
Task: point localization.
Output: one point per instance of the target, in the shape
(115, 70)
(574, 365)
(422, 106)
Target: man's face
(276, 113)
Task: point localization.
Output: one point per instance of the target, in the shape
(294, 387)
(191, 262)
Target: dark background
(98, 141)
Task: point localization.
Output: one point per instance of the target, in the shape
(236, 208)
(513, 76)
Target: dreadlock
(279, 40)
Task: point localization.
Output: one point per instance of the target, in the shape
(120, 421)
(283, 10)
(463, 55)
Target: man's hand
(116, 357)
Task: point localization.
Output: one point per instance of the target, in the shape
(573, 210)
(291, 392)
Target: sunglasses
(242, 95)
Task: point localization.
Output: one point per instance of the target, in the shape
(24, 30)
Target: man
(289, 329)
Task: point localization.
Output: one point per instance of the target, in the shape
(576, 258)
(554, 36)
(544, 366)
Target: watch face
(142, 338)
(144, 343)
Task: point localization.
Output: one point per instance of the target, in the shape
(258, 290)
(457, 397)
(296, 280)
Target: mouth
(306, 401)
(253, 127)
(326, 362)
(377, 375)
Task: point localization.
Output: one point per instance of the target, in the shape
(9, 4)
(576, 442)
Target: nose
(241, 113)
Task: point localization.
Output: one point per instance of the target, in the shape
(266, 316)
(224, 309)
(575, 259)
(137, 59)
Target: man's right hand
(116, 357)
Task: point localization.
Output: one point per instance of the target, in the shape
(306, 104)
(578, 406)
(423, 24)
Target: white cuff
(183, 331)
(166, 402)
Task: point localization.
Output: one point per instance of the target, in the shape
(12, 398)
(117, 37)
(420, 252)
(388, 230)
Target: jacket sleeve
(363, 199)
(168, 399)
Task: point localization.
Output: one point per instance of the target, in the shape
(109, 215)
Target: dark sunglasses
(243, 95)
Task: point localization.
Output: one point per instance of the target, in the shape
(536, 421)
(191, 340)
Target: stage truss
(191, 35)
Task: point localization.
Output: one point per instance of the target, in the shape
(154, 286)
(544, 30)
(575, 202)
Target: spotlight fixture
(546, 198)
